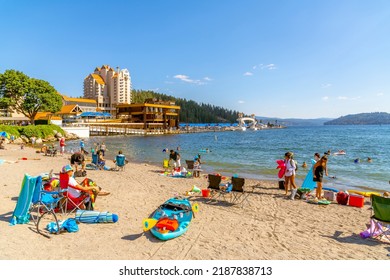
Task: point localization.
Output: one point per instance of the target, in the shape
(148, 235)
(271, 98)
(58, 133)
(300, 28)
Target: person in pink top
(62, 145)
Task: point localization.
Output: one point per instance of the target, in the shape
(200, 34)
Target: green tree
(26, 95)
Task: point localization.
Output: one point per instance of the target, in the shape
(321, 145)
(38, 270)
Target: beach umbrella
(91, 217)
(4, 134)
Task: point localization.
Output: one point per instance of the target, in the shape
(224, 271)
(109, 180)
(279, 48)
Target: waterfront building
(108, 87)
(152, 114)
(84, 104)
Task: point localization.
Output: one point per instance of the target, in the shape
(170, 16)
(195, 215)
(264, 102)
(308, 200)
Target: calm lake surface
(252, 154)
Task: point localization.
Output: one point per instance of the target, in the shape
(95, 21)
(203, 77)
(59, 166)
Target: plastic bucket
(205, 193)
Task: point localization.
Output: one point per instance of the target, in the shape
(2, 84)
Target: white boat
(339, 153)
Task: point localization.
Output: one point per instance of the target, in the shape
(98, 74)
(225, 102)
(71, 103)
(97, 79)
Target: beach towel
(308, 182)
(21, 213)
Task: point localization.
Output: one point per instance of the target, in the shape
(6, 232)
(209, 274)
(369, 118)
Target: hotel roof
(80, 100)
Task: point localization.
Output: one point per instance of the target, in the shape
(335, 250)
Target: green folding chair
(380, 217)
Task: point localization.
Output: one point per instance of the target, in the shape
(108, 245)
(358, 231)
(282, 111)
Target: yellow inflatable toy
(366, 194)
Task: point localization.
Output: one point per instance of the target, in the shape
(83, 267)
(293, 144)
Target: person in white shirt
(76, 192)
(290, 174)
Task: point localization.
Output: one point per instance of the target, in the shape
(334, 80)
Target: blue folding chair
(120, 162)
(44, 208)
(95, 158)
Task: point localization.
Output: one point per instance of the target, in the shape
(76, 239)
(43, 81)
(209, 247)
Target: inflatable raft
(171, 219)
(366, 194)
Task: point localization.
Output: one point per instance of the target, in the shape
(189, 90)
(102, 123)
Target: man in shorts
(175, 156)
(78, 159)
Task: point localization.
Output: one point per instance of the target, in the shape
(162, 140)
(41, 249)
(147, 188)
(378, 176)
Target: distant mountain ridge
(293, 121)
(362, 119)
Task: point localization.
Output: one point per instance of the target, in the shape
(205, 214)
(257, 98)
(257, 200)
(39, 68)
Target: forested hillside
(361, 119)
(191, 111)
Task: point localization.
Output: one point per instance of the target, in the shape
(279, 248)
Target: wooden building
(152, 114)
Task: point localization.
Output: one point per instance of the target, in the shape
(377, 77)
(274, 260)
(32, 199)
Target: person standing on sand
(319, 169)
(290, 174)
(103, 148)
(62, 145)
(82, 145)
(33, 139)
(175, 156)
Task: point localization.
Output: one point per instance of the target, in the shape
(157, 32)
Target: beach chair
(240, 196)
(44, 208)
(71, 204)
(190, 164)
(214, 182)
(51, 152)
(120, 162)
(380, 217)
(95, 158)
(225, 191)
(21, 214)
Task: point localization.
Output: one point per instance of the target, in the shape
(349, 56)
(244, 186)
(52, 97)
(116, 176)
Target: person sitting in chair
(78, 192)
(78, 159)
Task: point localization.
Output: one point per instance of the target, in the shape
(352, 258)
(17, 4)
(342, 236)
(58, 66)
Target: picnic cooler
(356, 200)
(330, 195)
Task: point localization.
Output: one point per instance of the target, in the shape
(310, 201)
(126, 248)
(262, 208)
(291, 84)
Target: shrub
(10, 129)
(40, 131)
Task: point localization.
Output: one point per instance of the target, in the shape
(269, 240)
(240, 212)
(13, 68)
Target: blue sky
(300, 59)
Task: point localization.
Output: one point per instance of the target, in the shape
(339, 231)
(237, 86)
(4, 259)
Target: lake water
(252, 154)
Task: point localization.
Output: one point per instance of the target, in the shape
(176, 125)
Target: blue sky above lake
(300, 59)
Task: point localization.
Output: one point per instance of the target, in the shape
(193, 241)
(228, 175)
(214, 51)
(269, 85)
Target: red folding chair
(72, 203)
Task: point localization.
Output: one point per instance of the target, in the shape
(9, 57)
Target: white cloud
(325, 98)
(187, 79)
(261, 66)
(241, 102)
(270, 66)
(207, 79)
(326, 85)
(380, 94)
(348, 98)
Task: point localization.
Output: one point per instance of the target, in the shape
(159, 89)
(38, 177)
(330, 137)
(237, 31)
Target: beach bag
(342, 198)
(329, 195)
(281, 184)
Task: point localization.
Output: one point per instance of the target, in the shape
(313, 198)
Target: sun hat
(66, 168)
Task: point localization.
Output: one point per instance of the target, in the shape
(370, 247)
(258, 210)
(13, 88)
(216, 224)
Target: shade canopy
(4, 134)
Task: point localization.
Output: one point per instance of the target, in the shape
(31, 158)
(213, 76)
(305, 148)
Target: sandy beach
(269, 228)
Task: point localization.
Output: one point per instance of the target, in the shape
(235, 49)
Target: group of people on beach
(175, 157)
(319, 169)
